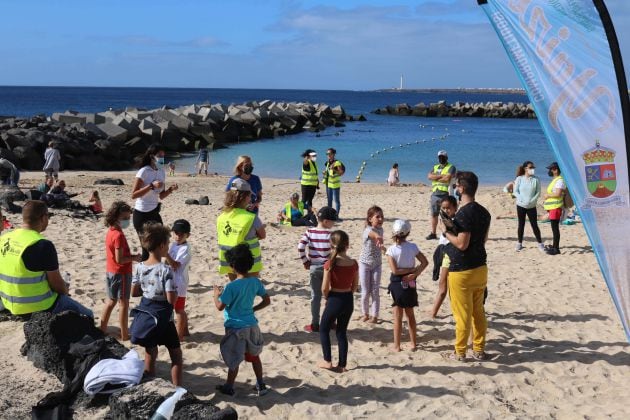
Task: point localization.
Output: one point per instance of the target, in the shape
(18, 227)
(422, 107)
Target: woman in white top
(148, 189)
(393, 178)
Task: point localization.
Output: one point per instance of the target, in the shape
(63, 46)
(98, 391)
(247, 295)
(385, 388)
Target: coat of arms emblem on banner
(601, 177)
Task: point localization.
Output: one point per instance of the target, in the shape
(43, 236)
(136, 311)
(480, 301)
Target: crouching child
(242, 340)
(153, 322)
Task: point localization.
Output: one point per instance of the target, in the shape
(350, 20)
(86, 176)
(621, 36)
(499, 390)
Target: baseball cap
(294, 196)
(442, 153)
(240, 185)
(401, 227)
(327, 213)
(181, 226)
(553, 165)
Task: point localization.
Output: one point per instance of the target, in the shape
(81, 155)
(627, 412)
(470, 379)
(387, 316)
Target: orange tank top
(341, 276)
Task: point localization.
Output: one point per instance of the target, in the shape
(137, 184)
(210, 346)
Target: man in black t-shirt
(39, 257)
(468, 273)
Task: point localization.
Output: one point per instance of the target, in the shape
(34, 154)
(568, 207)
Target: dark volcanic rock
(48, 338)
(191, 201)
(204, 201)
(140, 402)
(109, 181)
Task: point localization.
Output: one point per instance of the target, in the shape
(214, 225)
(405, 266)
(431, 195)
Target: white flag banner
(567, 57)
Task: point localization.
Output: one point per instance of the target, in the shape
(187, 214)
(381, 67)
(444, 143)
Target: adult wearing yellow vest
(554, 202)
(332, 179)
(29, 269)
(309, 180)
(295, 213)
(440, 177)
(236, 225)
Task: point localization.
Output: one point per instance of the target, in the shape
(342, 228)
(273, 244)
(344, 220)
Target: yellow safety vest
(332, 179)
(553, 202)
(287, 211)
(310, 177)
(22, 291)
(232, 228)
(437, 185)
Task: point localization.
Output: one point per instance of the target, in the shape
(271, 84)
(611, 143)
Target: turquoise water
(490, 147)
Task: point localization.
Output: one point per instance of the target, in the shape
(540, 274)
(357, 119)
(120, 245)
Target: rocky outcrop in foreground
(459, 109)
(110, 140)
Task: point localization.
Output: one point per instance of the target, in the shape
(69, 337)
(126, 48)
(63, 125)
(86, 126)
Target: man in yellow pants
(468, 272)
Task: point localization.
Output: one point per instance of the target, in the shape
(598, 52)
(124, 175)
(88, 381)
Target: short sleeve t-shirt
(155, 280)
(370, 253)
(238, 297)
(255, 184)
(473, 218)
(150, 200)
(51, 159)
(404, 254)
(114, 239)
(41, 256)
(181, 254)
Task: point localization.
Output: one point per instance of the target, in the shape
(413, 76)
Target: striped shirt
(318, 242)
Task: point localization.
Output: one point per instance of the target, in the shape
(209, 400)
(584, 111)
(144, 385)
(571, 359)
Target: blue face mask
(124, 223)
(160, 160)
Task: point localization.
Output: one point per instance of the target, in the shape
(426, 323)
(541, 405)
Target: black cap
(553, 165)
(327, 213)
(181, 226)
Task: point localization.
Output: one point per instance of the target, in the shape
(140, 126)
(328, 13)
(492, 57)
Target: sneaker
(552, 251)
(518, 246)
(224, 389)
(310, 328)
(261, 389)
(431, 236)
(541, 247)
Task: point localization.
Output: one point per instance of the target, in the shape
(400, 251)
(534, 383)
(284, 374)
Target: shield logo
(600, 171)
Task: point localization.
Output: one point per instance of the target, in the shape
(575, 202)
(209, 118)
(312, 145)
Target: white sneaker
(518, 246)
(541, 247)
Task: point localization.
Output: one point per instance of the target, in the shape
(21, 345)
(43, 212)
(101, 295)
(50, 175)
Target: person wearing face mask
(29, 268)
(554, 202)
(440, 178)
(243, 170)
(527, 191)
(119, 260)
(148, 189)
(332, 179)
(309, 179)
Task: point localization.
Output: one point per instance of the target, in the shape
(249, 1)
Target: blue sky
(283, 44)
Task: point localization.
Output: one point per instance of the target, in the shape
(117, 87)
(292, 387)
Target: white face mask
(314, 158)
(531, 171)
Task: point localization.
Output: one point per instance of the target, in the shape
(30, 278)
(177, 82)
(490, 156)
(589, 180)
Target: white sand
(560, 348)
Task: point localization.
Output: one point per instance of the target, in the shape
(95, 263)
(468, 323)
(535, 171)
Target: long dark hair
(147, 157)
(339, 242)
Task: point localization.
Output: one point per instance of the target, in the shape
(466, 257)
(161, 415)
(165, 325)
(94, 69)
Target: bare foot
(125, 337)
(412, 347)
(373, 320)
(394, 348)
(340, 369)
(325, 365)
(362, 318)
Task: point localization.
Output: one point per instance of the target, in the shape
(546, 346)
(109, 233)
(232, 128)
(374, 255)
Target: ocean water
(490, 147)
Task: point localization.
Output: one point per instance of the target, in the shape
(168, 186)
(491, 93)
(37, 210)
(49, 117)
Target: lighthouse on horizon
(401, 82)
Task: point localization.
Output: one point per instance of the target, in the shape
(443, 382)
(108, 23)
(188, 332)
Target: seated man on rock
(29, 269)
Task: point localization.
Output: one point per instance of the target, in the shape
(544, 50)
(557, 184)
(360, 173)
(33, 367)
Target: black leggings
(532, 214)
(140, 218)
(339, 307)
(555, 229)
(308, 193)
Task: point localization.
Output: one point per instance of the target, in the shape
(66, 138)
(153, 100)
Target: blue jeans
(66, 303)
(333, 193)
(316, 280)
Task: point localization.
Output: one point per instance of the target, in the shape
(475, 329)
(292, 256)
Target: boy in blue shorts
(243, 340)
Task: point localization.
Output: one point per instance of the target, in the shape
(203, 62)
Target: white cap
(401, 227)
(442, 153)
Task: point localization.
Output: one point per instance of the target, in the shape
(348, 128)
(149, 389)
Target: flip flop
(480, 355)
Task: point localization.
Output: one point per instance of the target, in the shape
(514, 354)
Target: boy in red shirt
(118, 266)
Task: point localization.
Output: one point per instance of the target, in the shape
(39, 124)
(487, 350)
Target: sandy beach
(560, 348)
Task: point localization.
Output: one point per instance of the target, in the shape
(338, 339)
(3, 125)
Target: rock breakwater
(111, 139)
(460, 109)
